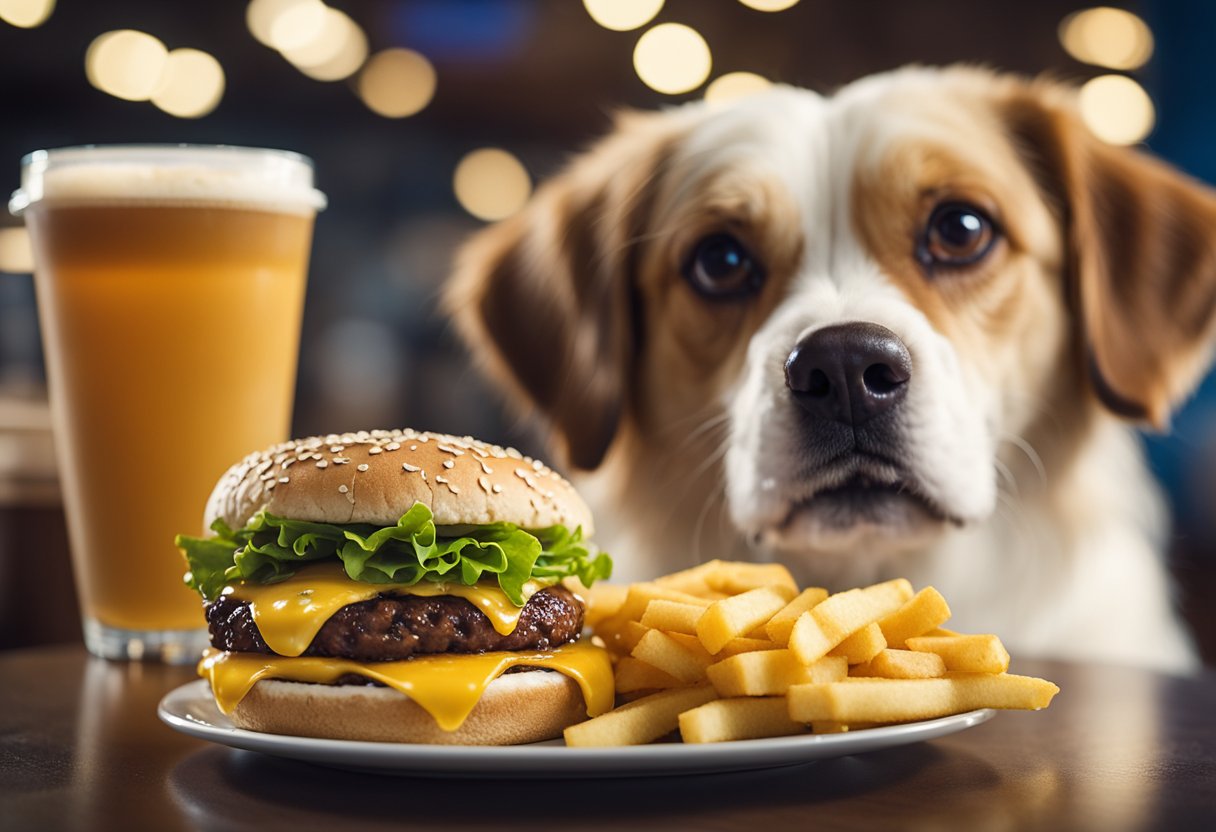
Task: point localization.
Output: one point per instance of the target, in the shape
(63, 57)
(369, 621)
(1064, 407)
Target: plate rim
(552, 758)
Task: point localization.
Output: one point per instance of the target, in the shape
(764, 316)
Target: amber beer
(170, 286)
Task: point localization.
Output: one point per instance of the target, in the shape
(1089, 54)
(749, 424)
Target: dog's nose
(849, 373)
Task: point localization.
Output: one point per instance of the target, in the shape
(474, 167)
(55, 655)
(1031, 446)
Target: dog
(904, 330)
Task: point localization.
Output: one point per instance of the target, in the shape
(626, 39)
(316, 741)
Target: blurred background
(428, 118)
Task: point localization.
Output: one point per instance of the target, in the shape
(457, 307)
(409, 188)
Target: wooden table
(81, 748)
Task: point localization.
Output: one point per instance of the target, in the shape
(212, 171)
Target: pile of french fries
(731, 651)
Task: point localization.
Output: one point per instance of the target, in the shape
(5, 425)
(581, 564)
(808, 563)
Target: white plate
(191, 710)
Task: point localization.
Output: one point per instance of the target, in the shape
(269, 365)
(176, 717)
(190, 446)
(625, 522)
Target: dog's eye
(957, 234)
(722, 267)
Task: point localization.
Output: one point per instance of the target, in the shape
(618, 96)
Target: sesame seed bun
(375, 477)
(515, 708)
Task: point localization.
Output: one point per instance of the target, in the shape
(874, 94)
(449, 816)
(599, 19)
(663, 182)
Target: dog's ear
(545, 298)
(1140, 255)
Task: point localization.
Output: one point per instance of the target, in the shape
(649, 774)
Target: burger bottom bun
(515, 708)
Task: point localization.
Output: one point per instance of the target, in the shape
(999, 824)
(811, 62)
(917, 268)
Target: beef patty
(392, 627)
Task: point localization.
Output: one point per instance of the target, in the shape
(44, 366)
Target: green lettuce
(271, 549)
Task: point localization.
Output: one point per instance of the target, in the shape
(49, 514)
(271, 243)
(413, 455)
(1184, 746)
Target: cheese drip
(446, 686)
(290, 613)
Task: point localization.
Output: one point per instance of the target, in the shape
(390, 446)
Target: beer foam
(218, 177)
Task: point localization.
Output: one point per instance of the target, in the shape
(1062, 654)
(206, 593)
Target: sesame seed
(537, 465)
(522, 473)
(322, 464)
(362, 467)
(447, 463)
(497, 488)
(413, 447)
(270, 485)
(411, 468)
(265, 477)
(375, 449)
(453, 488)
(342, 489)
(479, 451)
(392, 446)
(449, 450)
(341, 460)
(485, 467)
(337, 449)
(424, 476)
(284, 480)
(288, 463)
(484, 483)
(441, 479)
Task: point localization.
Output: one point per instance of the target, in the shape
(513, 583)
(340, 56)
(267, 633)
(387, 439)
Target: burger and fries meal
(400, 586)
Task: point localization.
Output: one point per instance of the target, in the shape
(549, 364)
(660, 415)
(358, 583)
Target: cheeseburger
(398, 586)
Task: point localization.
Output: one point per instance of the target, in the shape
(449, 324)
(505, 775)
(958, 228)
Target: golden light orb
(26, 14)
(622, 15)
(191, 84)
(672, 58)
(397, 83)
(735, 85)
(1107, 37)
(126, 64)
(491, 184)
(1116, 109)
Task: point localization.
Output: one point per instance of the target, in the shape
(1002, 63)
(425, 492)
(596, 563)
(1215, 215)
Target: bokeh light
(26, 14)
(397, 83)
(260, 16)
(672, 58)
(622, 15)
(735, 85)
(769, 5)
(1116, 109)
(298, 25)
(16, 254)
(491, 184)
(125, 63)
(191, 84)
(337, 52)
(1107, 37)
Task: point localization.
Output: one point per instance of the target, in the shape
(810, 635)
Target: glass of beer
(170, 285)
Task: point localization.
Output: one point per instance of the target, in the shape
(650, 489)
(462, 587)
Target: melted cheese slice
(446, 686)
(289, 614)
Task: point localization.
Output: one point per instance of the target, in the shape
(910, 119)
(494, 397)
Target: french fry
(970, 654)
(641, 721)
(831, 622)
(640, 595)
(660, 650)
(622, 637)
(902, 664)
(926, 610)
(862, 646)
(672, 616)
(738, 615)
(738, 719)
(738, 578)
(693, 581)
(779, 626)
(733, 647)
(603, 601)
(770, 673)
(903, 700)
(633, 675)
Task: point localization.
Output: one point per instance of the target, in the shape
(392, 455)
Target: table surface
(81, 748)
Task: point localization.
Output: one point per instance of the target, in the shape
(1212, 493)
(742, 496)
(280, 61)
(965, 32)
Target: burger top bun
(376, 476)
